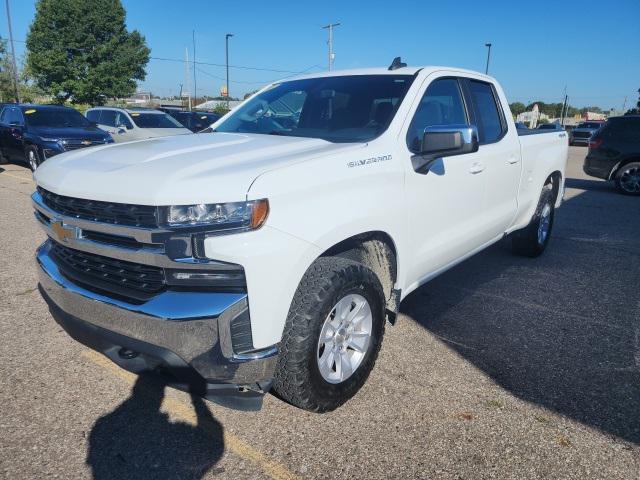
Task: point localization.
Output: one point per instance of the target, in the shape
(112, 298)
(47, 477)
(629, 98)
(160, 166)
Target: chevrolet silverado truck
(271, 253)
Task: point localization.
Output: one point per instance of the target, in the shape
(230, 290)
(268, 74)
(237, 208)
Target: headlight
(235, 216)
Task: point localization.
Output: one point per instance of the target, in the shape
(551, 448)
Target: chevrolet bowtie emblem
(63, 232)
(86, 142)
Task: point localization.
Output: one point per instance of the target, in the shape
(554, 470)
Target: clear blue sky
(592, 47)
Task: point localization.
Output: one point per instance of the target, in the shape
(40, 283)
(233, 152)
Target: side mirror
(440, 141)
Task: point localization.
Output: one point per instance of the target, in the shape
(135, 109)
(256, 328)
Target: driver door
(445, 202)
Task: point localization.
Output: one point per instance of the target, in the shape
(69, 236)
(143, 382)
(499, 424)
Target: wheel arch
(556, 180)
(377, 251)
(616, 168)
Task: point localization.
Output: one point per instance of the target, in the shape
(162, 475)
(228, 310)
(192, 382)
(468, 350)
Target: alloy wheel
(344, 338)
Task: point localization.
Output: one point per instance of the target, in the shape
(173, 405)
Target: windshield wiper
(277, 132)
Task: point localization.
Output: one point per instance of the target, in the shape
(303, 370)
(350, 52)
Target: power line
(258, 82)
(241, 67)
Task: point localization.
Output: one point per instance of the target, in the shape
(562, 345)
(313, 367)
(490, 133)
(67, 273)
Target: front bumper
(184, 334)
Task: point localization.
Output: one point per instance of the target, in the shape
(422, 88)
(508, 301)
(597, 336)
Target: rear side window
(441, 105)
(488, 118)
(4, 115)
(625, 129)
(93, 116)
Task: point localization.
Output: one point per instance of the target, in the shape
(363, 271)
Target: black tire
(527, 242)
(31, 150)
(624, 183)
(298, 380)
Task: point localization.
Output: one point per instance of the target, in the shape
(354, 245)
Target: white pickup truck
(270, 253)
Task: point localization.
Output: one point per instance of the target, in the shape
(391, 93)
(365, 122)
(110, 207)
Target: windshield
(54, 117)
(154, 120)
(593, 125)
(354, 108)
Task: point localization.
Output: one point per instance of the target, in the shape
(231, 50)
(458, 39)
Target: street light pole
(13, 55)
(488, 45)
(195, 82)
(226, 41)
(330, 42)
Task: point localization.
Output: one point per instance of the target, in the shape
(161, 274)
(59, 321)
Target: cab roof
(384, 71)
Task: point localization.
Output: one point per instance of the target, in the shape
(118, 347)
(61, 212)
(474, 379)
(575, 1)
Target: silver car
(127, 124)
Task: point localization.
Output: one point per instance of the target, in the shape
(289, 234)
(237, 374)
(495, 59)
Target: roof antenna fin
(397, 63)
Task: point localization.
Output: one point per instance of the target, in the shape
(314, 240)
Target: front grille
(581, 134)
(109, 275)
(73, 144)
(107, 212)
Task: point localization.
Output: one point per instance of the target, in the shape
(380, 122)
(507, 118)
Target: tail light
(595, 143)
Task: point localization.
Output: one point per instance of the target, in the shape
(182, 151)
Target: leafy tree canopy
(81, 51)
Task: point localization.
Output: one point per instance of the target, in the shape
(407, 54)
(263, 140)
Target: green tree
(517, 108)
(81, 51)
(7, 92)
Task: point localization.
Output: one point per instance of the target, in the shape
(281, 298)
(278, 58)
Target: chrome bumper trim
(193, 325)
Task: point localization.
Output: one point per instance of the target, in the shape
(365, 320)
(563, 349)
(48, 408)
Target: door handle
(476, 167)
(513, 159)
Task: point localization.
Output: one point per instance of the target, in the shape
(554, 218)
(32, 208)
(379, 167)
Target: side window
(108, 117)
(630, 131)
(4, 115)
(123, 121)
(93, 116)
(15, 117)
(490, 127)
(441, 105)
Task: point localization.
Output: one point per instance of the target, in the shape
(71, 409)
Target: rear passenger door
(498, 156)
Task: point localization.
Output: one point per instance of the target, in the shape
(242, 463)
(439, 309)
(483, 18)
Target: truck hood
(164, 132)
(178, 170)
(80, 133)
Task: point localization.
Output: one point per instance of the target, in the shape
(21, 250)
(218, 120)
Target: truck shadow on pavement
(137, 441)
(561, 331)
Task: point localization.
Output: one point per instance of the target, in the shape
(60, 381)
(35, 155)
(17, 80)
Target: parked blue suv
(34, 133)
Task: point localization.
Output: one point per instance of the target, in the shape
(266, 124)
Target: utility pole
(563, 113)
(226, 41)
(488, 45)
(330, 42)
(187, 80)
(13, 55)
(624, 104)
(195, 82)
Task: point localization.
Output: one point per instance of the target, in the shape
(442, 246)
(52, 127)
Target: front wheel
(532, 240)
(332, 335)
(33, 159)
(628, 178)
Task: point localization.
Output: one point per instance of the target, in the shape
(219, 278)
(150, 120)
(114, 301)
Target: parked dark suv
(33, 133)
(614, 153)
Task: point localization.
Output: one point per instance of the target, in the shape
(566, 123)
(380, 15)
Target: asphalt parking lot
(504, 367)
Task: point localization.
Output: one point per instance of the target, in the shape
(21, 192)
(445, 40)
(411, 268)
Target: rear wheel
(532, 240)
(332, 336)
(628, 179)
